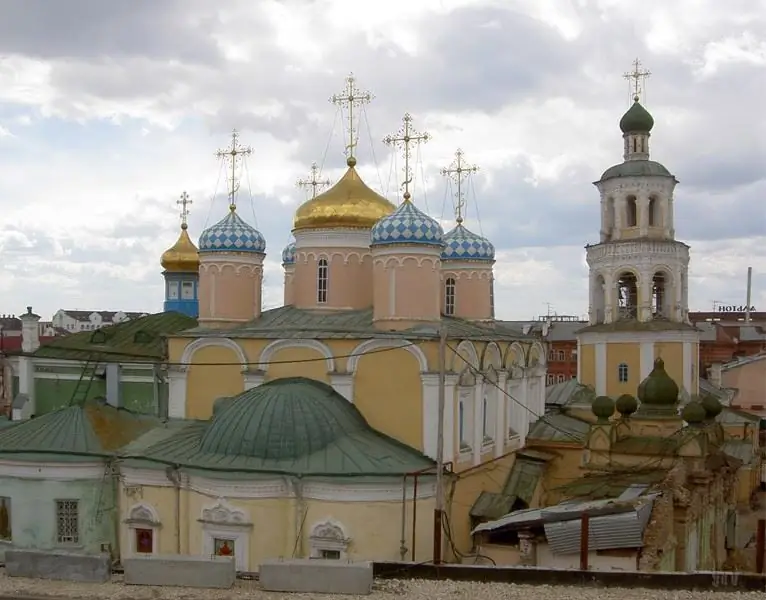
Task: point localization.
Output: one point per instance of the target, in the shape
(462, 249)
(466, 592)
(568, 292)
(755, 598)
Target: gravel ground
(384, 590)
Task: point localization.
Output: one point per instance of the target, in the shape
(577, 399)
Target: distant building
(74, 321)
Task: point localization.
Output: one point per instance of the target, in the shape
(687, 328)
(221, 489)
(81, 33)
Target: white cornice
(332, 238)
(52, 471)
(623, 337)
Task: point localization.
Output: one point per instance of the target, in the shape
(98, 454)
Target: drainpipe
(174, 476)
(300, 515)
(403, 541)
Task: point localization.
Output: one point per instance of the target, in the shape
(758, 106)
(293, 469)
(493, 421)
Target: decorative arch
(537, 349)
(466, 348)
(329, 540)
(491, 357)
(377, 344)
(145, 514)
(206, 342)
(516, 356)
(222, 513)
(271, 349)
(143, 522)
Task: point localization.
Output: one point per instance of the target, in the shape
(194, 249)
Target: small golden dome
(182, 257)
(349, 203)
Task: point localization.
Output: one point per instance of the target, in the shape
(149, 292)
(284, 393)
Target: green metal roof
(740, 449)
(91, 429)
(289, 322)
(294, 426)
(559, 427)
(137, 340)
(610, 485)
(636, 168)
(569, 393)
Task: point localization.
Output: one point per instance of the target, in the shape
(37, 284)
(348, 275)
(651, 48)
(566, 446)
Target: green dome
(603, 407)
(282, 419)
(694, 413)
(658, 389)
(626, 405)
(636, 168)
(637, 119)
(712, 406)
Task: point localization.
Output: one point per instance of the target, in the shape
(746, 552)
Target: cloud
(104, 121)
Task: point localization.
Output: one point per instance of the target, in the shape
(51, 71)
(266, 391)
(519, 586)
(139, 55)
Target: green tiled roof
(137, 340)
(288, 322)
(568, 393)
(636, 168)
(294, 426)
(91, 429)
(559, 427)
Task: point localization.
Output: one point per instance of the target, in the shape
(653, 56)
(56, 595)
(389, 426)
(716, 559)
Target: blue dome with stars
(462, 244)
(232, 234)
(407, 225)
(288, 254)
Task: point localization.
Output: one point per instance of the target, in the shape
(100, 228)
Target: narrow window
(632, 211)
(461, 424)
(559, 378)
(322, 277)
(67, 521)
(330, 554)
(492, 297)
(144, 541)
(485, 418)
(6, 533)
(551, 379)
(449, 296)
(187, 290)
(172, 290)
(622, 373)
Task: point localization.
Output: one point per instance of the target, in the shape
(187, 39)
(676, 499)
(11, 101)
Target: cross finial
(184, 203)
(457, 172)
(313, 182)
(637, 79)
(404, 138)
(234, 154)
(352, 98)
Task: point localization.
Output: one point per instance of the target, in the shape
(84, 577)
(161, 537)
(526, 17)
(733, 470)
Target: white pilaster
(430, 383)
(647, 359)
(523, 406)
(177, 392)
(253, 379)
(343, 383)
(687, 366)
(600, 357)
(579, 361)
(478, 419)
(27, 385)
(450, 410)
(501, 416)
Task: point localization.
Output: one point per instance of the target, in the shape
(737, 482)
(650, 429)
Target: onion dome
(626, 405)
(694, 413)
(658, 389)
(181, 257)
(407, 225)
(712, 406)
(603, 408)
(348, 204)
(636, 119)
(462, 244)
(232, 234)
(288, 254)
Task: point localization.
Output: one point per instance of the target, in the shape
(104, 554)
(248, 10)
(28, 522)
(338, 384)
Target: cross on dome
(458, 171)
(233, 154)
(313, 182)
(404, 139)
(184, 203)
(351, 98)
(637, 79)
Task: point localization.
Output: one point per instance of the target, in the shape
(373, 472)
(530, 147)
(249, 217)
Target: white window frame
(328, 535)
(450, 286)
(224, 522)
(173, 292)
(187, 286)
(143, 516)
(623, 368)
(59, 541)
(466, 399)
(323, 280)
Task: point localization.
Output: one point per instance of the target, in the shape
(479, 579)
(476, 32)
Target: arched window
(461, 423)
(485, 418)
(622, 373)
(631, 211)
(449, 296)
(322, 277)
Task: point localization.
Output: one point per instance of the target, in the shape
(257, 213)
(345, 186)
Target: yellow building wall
(388, 392)
(587, 358)
(297, 362)
(619, 353)
(565, 468)
(214, 372)
(282, 528)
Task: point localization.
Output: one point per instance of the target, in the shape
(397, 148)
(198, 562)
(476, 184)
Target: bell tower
(638, 272)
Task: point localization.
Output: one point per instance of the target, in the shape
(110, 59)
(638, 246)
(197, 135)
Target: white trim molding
(646, 359)
(176, 392)
(272, 348)
(52, 471)
(343, 383)
(205, 342)
(375, 344)
(143, 516)
(253, 379)
(328, 535)
(632, 337)
(601, 358)
(225, 522)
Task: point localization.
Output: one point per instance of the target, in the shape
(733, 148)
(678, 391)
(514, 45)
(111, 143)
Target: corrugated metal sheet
(608, 532)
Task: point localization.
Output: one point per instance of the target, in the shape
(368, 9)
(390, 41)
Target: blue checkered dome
(407, 225)
(232, 234)
(288, 254)
(462, 244)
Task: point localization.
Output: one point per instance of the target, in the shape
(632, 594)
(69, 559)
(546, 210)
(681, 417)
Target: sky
(110, 110)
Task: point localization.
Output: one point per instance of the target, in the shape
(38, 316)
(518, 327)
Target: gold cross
(639, 79)
(233, 153)
(351, 97)
(458, 171)
(313, 182)
(404, 138)
(184, 202)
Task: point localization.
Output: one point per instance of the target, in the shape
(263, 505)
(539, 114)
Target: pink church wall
(349, 284)
(407, 290)
(289, 286)
(229, 290)
(473, 284)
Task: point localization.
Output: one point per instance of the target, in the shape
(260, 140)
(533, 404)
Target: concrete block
(58, 565)
(180, 570)
(316, 576)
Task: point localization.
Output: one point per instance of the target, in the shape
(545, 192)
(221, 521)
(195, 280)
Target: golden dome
(349, 203)
(182, 257)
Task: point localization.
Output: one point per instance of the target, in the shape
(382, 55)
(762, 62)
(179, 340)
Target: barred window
(449, 297)
(67, 521)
